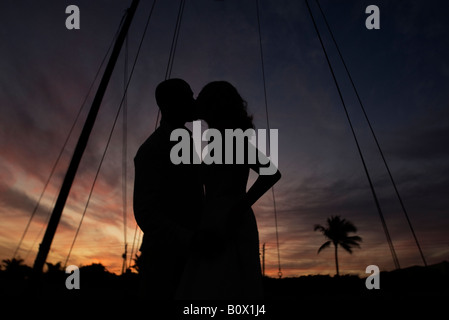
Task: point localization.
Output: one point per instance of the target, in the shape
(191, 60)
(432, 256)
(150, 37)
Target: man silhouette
(167, 197)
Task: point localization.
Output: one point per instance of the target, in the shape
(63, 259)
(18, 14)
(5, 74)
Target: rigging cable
(124, 156)
(111, 132)
(268, 127)
(175, 40)
(136, 229)
(66, 142)
(384, 225)
(374, 135)
(138, 235)
(171, 56)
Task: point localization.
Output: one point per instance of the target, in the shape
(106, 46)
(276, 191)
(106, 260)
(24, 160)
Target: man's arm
(152, 197)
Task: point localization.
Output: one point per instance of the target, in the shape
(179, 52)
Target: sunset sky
(401, 72)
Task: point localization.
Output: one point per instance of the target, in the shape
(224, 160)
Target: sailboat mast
(45, 245)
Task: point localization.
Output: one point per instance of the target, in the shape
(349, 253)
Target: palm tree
(16, 268)
(13, 265)
(336, 231)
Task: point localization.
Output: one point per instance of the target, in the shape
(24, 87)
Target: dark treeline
(97, 283)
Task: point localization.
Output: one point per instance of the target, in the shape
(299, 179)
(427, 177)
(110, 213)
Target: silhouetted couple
(200, 233)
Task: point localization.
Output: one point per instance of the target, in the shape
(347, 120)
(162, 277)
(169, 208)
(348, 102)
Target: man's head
(175, 99)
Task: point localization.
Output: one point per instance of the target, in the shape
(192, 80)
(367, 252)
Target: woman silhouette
(225, 260)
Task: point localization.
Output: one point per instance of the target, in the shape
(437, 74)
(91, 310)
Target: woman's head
(222, 107)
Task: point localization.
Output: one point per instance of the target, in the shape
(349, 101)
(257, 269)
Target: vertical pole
(45, 245)
(124, 268)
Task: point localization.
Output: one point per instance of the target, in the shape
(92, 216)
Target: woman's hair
(222, 107)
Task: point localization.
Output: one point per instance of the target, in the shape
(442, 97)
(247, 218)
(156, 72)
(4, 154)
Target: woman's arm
(262, 184)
